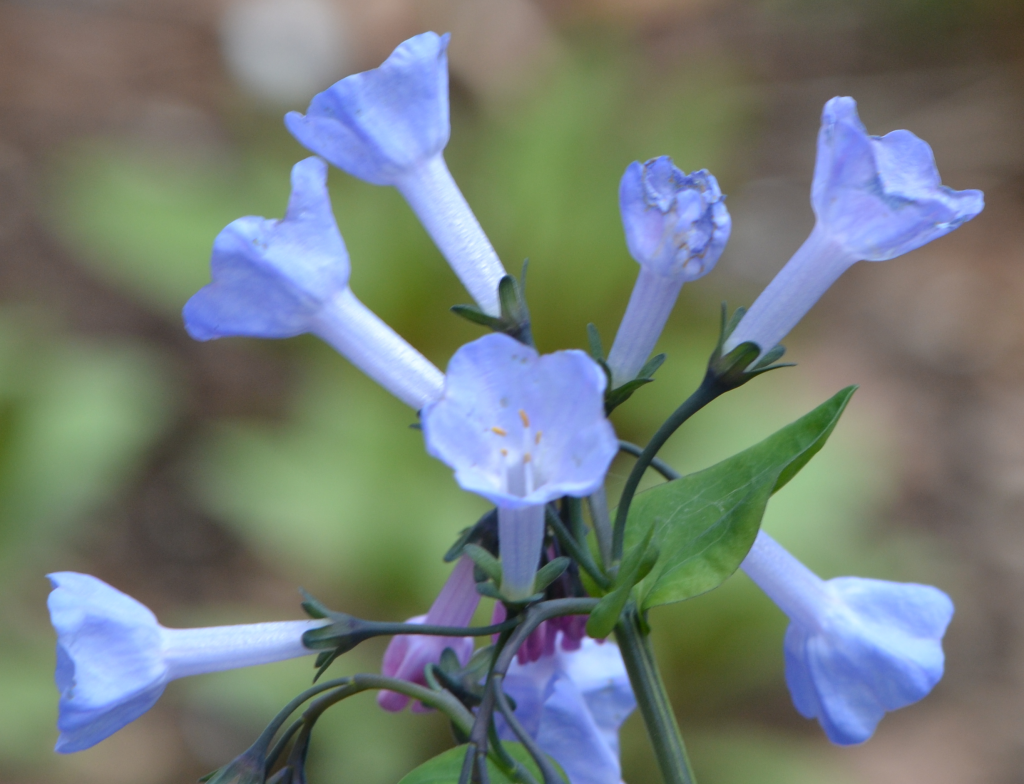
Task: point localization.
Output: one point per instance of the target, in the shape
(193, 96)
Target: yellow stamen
(504, 453)
(527, 458)
(526, 419)
(537, 439)
(499, 430)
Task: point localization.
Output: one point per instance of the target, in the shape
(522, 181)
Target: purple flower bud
(573, 703)
(389, 126)
(521, 429)
(114, 659)
(874, 198)
(855, 647)
(280, 278)
(408, 654)
(676, 227)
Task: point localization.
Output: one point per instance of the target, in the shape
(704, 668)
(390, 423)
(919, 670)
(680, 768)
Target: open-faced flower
(281, 278)
(573, 703)
(408, 654)
(389, 126)
(676, 228)
(855, 647)
(114, 659)
(521, 430)
(874, 198)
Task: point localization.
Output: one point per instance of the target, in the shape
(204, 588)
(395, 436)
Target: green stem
(654, 704)
(577, 550)
(598, 503)
(709, 389)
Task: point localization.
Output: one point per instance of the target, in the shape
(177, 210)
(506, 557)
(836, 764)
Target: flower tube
(281, 278)
(408, 654)
(874, 198)
(855, 648)
(521, 430)
(676, 228)
(573, 703)
(114, 659)
(389, 126)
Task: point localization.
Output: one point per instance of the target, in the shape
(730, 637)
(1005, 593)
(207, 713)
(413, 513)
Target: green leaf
(445, 767)
(705, 523)
(637, 564)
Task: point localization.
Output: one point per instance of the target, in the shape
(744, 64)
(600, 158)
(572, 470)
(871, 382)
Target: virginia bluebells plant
(535, 700)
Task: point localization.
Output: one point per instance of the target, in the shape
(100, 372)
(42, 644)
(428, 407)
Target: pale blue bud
(676, 227)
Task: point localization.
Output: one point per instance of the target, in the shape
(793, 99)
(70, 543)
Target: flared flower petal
(389, 126)
(272, 277)
(573, 703)
(881, 197)
(114, 659)
(519, 428)
(881, 651)
(378, 124)
(874, 199)
(856, 647)
(281, 278)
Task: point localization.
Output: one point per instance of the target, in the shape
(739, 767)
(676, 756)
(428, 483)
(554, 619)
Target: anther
(526, 419)
(499, 430)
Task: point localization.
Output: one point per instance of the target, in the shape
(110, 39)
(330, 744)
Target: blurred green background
(211, 480)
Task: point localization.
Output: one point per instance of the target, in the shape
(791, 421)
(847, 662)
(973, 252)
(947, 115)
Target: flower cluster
(530, 434)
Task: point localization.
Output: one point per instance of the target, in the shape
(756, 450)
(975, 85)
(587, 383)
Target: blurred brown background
(210, 480)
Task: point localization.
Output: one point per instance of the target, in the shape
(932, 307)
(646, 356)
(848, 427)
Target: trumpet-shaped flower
(874, 198)
(114, 659)
(521, 430)
(389, 126)
(408, 654)
(573, 703)
(855, 647)
(281, 278)
(676, 228)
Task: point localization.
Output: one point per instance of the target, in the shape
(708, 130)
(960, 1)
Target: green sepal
(515, 315)
(740, 365)
(706, 522)
(550, 572)
(613, 398)
(477, 316)
(485, 562)
(483, 532)
(490, 590)
(651, 367)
